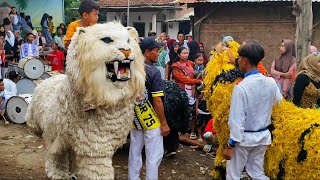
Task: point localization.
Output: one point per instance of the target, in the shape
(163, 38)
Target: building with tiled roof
(124, 3)
(149, 15)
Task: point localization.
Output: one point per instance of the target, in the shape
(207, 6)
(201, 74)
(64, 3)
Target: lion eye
(107, 40)
(128, 40)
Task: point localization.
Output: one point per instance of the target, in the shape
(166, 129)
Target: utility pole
(304, 21)
(128, 14)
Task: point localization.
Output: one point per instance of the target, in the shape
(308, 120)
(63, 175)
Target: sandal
(193, 136)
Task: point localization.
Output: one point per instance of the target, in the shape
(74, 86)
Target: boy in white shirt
(10, 84)
(250, 115)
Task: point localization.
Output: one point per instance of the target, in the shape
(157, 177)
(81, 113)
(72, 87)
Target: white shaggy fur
(84, 142)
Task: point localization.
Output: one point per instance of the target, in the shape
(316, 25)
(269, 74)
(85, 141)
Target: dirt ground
(22, 157)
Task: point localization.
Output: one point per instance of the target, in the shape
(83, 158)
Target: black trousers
(171, 142)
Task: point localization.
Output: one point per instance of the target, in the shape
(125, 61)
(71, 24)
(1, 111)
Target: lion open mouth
(119, 70)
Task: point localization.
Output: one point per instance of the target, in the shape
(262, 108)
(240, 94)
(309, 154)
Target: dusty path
(22, 157)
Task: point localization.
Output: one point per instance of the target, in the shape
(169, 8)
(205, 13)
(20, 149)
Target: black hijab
(171, 43)
(44, 18)
(193, 50)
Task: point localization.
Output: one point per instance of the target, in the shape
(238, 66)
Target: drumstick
(5, 120)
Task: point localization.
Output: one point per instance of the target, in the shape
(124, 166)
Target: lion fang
(116, 65)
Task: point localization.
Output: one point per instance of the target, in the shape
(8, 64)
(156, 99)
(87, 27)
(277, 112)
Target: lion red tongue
(121, 70)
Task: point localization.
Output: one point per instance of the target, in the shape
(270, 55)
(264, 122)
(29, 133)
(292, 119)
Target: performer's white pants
(250, 157)
(153, 142)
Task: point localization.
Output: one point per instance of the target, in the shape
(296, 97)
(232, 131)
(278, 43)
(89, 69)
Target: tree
(23, 4)
(70, 11)
(304, 21)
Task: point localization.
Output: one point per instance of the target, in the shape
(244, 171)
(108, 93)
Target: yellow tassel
(289, 122)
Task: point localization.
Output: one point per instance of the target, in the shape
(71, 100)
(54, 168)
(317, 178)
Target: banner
(36, 8)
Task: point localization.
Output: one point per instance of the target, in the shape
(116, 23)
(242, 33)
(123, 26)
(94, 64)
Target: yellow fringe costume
(310, 96)
(295, 149)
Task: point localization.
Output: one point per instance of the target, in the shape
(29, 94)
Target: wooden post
(304, 21)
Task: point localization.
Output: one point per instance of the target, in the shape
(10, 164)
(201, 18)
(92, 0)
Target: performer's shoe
(168, 153)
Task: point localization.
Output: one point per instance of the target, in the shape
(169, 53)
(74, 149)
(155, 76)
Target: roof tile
(121, 3)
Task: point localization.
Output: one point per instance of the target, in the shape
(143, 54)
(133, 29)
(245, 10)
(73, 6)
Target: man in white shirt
(28, 48)
(250, 115)
(181, 41)
(10, 85)
(59, 38)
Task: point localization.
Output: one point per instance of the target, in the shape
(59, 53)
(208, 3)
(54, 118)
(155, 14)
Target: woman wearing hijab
(283, 67)
(9, 44)
(45, 29)
(184, 76)
(306, 89)
(193, 50)
(2, 31)
(173, 47)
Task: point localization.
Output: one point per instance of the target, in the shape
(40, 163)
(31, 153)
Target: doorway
(140, 27)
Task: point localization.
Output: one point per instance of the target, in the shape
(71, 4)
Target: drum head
(25, 86)
(33, 68)
(16, 108)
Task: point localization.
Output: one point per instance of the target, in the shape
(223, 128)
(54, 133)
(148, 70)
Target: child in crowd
(15, 18)
(199, 66)
(51, 26)
(89, 11)
(203, 114)
(56, 58)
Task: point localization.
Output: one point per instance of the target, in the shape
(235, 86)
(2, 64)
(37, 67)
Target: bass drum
(16, 108)
(31, 68)
(47, 75)
(27, 86)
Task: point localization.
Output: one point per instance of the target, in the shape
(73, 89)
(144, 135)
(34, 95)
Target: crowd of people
(182, 61)
(19, 40)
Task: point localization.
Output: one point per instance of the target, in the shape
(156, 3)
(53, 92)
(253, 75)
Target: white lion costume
(105, 68)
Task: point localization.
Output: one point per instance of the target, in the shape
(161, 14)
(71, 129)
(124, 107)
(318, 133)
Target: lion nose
(126, 52)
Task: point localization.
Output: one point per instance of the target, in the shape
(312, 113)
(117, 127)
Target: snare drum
(16, 108)
(27, 86)
(31, 68)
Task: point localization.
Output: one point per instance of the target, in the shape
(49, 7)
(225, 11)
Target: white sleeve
(14, 90)
(37, 51)
(237, 114)
(278, 96)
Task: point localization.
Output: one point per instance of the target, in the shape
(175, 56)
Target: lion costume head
(293, 153)
(105, 58)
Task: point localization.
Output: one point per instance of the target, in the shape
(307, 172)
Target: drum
(31, 68)
(47, 75)
(12, 67)
(16, 108)
(27, 86)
